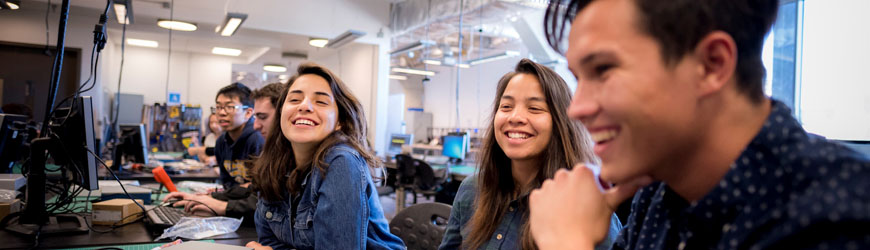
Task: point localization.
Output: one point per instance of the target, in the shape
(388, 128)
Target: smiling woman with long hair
(529, 138)
(313, 178)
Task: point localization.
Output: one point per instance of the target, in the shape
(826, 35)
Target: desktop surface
(134, 233)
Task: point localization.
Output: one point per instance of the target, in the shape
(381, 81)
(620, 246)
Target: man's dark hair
(678, 26)
(272, 91)
(238, 90)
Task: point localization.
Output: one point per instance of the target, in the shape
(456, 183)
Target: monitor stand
(62, 223)
(34, 219)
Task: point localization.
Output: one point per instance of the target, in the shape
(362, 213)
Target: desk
(135, 233)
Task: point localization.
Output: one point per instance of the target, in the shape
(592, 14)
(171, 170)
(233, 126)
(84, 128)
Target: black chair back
(425, 175)
(421, 226)
(405, 170)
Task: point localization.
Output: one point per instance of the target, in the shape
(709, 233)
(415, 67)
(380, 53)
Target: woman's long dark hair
(275, 171)
(569, 145)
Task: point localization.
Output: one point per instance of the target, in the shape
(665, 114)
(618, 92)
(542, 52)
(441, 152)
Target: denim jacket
(340, 210)
(507, 234)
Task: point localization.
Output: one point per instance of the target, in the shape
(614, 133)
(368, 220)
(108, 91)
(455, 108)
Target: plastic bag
(198, 228)
(199, 187)
(7, 196)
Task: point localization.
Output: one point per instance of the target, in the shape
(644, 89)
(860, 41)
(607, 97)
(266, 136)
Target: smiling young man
(671, 92)
(233, 152)
(265, 101)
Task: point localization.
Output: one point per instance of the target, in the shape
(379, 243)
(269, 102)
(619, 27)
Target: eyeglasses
(228, 108)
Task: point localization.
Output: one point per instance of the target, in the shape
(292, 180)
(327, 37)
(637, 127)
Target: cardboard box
(111, 211)
(8, 208)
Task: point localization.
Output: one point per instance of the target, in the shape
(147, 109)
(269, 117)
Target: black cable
(58, 63)
(75, 95)
(169, 52)
(116, 178)
(114, 137)
(66, 198)
(206, 206)
(47, 35)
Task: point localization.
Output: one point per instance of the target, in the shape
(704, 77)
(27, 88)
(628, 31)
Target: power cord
(206, 206)
(116, 177)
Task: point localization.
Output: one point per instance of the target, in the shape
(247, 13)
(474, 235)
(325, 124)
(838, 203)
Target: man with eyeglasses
(233, 150)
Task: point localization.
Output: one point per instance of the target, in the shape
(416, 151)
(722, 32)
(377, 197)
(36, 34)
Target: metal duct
(411, 14)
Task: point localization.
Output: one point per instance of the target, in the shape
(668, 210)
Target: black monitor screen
(74, 126)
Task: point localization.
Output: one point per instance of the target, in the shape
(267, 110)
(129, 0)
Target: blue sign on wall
(174, 98)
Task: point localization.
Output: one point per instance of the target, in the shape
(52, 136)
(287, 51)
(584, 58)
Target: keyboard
(164, 217)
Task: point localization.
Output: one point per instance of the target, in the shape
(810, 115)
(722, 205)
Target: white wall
(477, 88)
(197, 77)
(835, 90)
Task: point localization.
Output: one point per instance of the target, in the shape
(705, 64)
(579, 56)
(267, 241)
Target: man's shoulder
(824, 190)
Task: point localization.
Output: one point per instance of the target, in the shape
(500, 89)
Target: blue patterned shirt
(787, 190)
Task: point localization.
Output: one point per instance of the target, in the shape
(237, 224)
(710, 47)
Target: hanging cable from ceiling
(169, 52)
(459, 61)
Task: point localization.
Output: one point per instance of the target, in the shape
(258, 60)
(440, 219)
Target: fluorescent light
(176, 25)
(412, 47)
(123, 8)
(398, 77)
(225, 51)
(414, 71)
(274, 68)
(432, 62)
(464, 65)
(318, 42)
(142, 43)
(12, 6)
(232, 23)
(506, 54)
(344, 38)
(283, 77)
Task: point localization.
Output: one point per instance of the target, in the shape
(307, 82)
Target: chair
(421, 226)
(405, 170)
(417, 176)
(427, 181)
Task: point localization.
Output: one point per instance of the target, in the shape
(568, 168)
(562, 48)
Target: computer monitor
(13, 136)
(133, 146)
(455, 146)
(69, 139)
(396, 142)
(76, 133)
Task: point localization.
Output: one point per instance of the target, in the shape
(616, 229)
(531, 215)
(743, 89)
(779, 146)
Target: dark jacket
(232, 155)
(241, 202)
(234, 158)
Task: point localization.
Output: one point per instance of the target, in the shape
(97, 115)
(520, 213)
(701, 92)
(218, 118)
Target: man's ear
(249, 112)
(717, 55)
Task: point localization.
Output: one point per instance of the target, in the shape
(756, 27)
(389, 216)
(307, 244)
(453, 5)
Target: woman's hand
(198, 204)
(257, 246)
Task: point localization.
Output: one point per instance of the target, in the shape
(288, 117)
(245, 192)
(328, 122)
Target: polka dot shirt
(787, 190)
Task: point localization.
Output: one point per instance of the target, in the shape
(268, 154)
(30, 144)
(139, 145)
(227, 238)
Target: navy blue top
(787, 190)
(340, 210)
(507, 235)
(232, 154)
